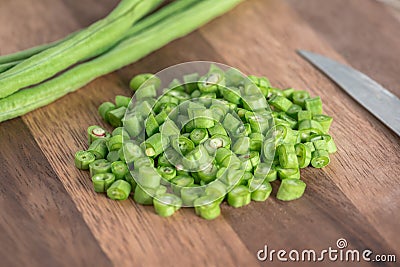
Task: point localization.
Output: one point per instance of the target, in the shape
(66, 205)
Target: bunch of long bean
(113, 40)
(209, 138)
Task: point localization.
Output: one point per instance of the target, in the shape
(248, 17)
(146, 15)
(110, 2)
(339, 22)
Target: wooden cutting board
(50, 215)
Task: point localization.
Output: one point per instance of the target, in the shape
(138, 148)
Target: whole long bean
(123, 54)
(8, 65)
(17, 57)
(8, 61)
(97, 38)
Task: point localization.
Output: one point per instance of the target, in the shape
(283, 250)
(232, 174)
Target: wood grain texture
(371, 156)
(369, 43)
(39, 223)
(355, 197)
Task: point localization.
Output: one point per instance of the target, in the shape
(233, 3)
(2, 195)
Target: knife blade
(380, 102)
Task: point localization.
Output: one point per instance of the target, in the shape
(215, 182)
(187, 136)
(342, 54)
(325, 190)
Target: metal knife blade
(380, 102)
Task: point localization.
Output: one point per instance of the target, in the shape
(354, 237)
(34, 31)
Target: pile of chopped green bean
(206, 139)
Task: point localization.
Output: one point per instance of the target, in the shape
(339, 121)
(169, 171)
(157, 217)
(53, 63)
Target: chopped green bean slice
(119, 190)
(280, 103)
(147, 79)
(199, 136)
(151, 125)
(113, 156)
(303, 153)
(293, 173)
(320, 158)
(167, 172)
(104, 109)
(148, 91)
(182, 144)
(324, 120)
(217, 129)
(102, 181)
(166, 204)
(96, 132)
(122, 101)
(129, 178)
(320, 145)
(304, 115)
(290, 189)
(131, 152)
(207, 207)
(314, 105)
(260, 190)
(294, 110)
(119, 169)
(256, 140)
(180, 182)
(299, 97)
(155, 144)
(83, 159)
(115, 116)
(114, 142)
(133, 125)
(99, 166)
(209, 174)
(287, 156)
(239, 196)
(242, 146)
(190, 81)
(99, 148)
(142, 196)
(148, 177)
(190, 194)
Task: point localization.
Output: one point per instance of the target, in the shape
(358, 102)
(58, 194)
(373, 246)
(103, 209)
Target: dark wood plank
(39, 223)
(362, 31)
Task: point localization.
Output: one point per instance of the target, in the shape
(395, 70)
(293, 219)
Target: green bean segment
(207, 207)
(290, 189)
(99, 166)
(96, 132)
(119, 190)
(239, 196)
(102, 181)
(199, 136)
(260, 190)
(320, 158)
(166, 204)
(303, 153)
(119, 169)
(99, 148)
(83, 159)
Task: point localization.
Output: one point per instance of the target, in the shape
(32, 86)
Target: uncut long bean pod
(125, 53)
(10, 60)
(95, 39)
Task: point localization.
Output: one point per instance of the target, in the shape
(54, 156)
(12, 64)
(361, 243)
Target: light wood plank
(367, 165)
